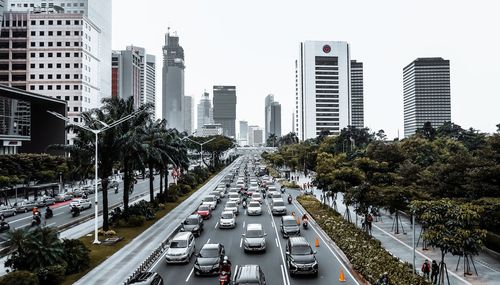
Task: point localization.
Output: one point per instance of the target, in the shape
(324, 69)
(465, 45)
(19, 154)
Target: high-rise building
(173, 82)
(2, 10)
(251, 133)
(210, 130)
(323, 88)
(188, 114)
(267, 114)
(205, 112)
(243, 133)
(272, 117)
(42, 62)
(97, 16)
(133, 75)
(225, 109)
(258, 137)
(426, 88)
(357, 96)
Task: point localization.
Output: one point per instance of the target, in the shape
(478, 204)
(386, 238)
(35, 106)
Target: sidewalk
(401, 246)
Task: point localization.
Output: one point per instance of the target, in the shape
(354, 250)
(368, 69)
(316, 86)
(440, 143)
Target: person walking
(426, 269)
(435, 272)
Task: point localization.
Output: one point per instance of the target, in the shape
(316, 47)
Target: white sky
(253, 45)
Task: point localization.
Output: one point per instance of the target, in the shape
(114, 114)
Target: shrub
(19, 278)
(110, 233)
(101, 232)
(184, 189)
(132, 221)
(365, 253)
(76, 255)
(52, 275)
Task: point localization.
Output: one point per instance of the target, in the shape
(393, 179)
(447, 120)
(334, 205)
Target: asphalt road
(272, 261)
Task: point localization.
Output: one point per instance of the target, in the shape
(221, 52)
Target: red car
(204, 211)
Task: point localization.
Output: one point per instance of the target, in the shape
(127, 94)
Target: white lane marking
(190, 273)
(51, 224)
(58, 214)
(241, 241)
(20, 227)
(276, 240)
(244, 224)
(216, 225)
(283, 274)
(208, 241)
(281, 252)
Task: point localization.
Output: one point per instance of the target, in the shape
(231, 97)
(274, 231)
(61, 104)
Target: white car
(82, 204)
(234, 197)
(227, 220)
(273, 195)
(211, 201)
(232, 206)
(257, 197)
(254, 209)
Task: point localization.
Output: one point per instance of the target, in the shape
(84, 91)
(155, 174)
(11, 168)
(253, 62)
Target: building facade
(188, 114)
(426, 92)
(204, 112)
(243, 138)
(225, 109)
(267, 114)
(173, 83)
(99, 13)
(357, 95)
(323, 88)
(211, 130)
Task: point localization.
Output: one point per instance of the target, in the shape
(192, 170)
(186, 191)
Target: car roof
(182, 236)
(193, 216)
(278, 199)
(247, 273)
(211, 246)
(143, 276)
(298, 241)
(254, 227)
(288, 218)
(227, 212)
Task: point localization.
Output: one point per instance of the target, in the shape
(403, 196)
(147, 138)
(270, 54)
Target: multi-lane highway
(272, 261)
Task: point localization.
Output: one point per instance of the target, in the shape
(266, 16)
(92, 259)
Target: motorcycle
(36, 221)
(283, 190)
(75, 212)
(305, 223)
(49, 214)
(224, 278)
(244, 204)
(289, 199)
(4, 227)
(116, 190)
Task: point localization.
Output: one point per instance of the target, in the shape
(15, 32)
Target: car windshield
(254, 204)
(227, 215)
(255, 195)
(289, 222)
(209, 252)
(178, 244)
(191, 221)
(234, 196)
(254, 234)
(279, 203)
(301, 250)
(204, 208)
(231, 205)
(208, 199)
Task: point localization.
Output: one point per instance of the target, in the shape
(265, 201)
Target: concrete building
(357, 95)
(323, 88)
(225, 109)
(267, 114)
(24, 120)
(53, 54)
(188, 114)
(272, 117)
(2, 10)
(173, 83)
(258, 137)
(204, 112)
(427, 96)
(94, 12)
(211, 130)
(243, 138)
(148, 96)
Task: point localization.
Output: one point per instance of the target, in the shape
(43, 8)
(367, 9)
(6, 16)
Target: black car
(300, 258)
(147, 278)
(209, 260)
(289, 226)
(194, 224)
(249, 274)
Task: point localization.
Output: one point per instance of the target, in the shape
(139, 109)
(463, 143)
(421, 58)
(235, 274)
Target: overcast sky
(253, 45)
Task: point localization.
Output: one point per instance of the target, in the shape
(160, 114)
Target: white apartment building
(323, 94)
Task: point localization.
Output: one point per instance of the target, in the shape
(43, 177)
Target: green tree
(272, 140)
(76, 255)
(19, 278)
(427, 131)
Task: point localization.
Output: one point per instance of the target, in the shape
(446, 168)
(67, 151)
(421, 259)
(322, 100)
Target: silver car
(6, 211)
(25, 206)
(254, 238)
(278, 207)
(227, 220)
(181, 248)
(254, 208)
(232, 206)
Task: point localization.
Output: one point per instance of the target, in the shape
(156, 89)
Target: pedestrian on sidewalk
(426, 269)
(435, 272)
(369, 220)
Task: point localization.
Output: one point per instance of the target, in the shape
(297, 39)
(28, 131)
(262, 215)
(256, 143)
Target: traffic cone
(317, 242)
(342, 277)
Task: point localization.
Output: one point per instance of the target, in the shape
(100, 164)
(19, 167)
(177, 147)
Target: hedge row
(365, 253)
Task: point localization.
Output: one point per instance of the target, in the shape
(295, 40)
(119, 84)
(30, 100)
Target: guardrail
(153, 257)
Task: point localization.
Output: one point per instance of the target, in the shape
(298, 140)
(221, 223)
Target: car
(232, 206)
(78, 193)
(89, 189)
(254, 238)
(278, 207)
(234, 197)
(45, 201)
(24, 207)
(273, 195)
(204, 211)
(210, 200)
(300, 258)
(216, 194)
(257, 197)
(82, 204)
(63, 197)
(249, 274)
(209, 259)
(147, 278)
(289, 226)
(254, 208)
(227, 220)
(194, 224)
(272, 188)
(7, 211)
(180, 248)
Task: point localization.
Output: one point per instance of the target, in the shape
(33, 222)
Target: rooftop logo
(327, 49)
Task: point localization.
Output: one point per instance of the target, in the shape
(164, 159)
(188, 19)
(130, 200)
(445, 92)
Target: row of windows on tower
(57, 22)
(54, 87)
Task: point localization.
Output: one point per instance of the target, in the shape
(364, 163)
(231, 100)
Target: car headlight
(196, 265)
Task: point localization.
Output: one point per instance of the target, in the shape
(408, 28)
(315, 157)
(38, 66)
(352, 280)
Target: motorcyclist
(289, 199)
(75, 211)
(48, 212)
(226, 266)
(36, 218)
(305, 218)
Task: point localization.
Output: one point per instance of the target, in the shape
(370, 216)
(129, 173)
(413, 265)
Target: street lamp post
(96, 132)
(201, 146)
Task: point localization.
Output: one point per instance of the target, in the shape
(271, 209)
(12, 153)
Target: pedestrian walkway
(401, 245)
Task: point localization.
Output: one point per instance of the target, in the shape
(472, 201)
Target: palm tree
(272, 140)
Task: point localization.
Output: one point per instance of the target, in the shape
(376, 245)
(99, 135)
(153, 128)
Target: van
(249, 274)
(278, 207)
(180, 248)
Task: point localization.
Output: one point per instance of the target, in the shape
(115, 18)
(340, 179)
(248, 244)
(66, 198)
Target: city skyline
(385, 47)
